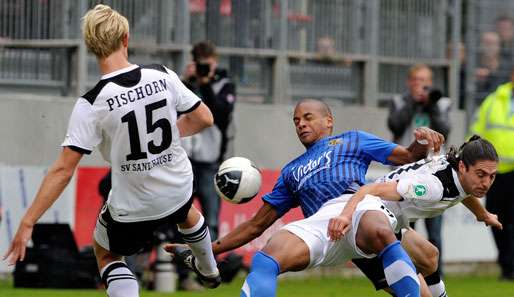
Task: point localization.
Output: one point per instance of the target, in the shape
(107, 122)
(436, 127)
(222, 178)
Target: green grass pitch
(309, 287)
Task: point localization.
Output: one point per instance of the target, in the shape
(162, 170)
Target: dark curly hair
(471, 151)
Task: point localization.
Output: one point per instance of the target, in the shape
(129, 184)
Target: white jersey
(131, 116)
(428, 188)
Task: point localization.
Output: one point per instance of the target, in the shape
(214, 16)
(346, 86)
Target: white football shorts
(313, 231)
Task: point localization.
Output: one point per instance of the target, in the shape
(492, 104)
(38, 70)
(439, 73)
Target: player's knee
(385, 236)
(289, 250)
(103, 256)
(374, 240)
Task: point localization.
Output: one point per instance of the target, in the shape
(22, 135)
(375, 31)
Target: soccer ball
(238, 180)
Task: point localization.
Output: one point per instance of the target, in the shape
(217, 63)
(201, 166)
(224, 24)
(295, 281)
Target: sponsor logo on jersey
(312, 166)
(420, 190)
(334, 142)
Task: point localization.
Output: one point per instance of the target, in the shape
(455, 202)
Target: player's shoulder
(345, 134)
(126, 77)
(357, 135)
(422, 185)
(156, 67)
(449, 180)
(91, 95)
(291, 165)
(298, 161)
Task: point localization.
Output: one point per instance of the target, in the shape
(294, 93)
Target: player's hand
(492, 220)
(338, 227)
(427, 136)
(18, 245)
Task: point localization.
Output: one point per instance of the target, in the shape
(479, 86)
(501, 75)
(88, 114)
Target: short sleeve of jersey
(83, 132)
(280, 198)
(186, 100)
(376, 148)
(420, 187)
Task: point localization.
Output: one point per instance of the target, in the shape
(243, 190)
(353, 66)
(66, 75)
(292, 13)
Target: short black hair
(471, 151)
(203, 49)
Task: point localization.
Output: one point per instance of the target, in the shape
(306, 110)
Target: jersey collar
(120, 71)
(456, 180)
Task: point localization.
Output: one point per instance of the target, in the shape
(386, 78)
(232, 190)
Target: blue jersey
(330, 167)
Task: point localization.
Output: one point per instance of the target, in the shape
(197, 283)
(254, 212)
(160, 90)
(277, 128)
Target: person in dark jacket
(422, 105)
(208, 149)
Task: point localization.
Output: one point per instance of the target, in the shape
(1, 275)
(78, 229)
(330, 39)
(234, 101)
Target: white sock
(199, 240)
(438, 290)
(119, 280)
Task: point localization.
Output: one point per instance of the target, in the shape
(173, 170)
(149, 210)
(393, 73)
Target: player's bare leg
(375, 236)
(289, 250)
(283, 252)
(117, 277)
(200, 258)
(425, 256)
(423, 253)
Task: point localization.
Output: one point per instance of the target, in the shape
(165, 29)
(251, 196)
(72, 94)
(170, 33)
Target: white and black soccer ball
(238, 180)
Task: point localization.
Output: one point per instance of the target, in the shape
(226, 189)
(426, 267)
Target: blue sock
(262, 280)
(399, 270)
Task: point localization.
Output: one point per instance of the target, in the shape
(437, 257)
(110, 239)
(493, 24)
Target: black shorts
(373, 269)
(126, 239)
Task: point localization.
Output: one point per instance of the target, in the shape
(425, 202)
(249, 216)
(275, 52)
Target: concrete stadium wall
(33, 127)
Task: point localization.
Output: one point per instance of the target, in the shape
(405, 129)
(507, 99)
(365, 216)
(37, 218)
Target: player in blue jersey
(332, 166)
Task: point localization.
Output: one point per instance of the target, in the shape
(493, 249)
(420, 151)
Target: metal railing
(354, 51)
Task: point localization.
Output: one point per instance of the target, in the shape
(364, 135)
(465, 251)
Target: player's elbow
(205, 116)
(61, 172)
(207, 119)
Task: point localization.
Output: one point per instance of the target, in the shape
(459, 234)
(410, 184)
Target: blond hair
(414, 69)
(104, 29)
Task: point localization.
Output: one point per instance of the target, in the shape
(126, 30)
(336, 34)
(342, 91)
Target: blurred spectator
(422, 105)
(495, 122)
(488, 74)
(207, 149)
(326, 53)
(505, 30)
(325, 50)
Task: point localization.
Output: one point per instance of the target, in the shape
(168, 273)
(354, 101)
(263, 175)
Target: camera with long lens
(433, 94)
(203, 69)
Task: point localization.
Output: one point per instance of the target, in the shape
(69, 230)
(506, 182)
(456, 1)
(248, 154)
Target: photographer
(421, 106)
(207, 149)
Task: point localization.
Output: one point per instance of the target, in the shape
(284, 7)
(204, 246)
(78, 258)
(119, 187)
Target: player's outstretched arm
(195, 121)
(482, 215)
(247, 231)
(425, 139)
(338, 226)
(58, 177)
